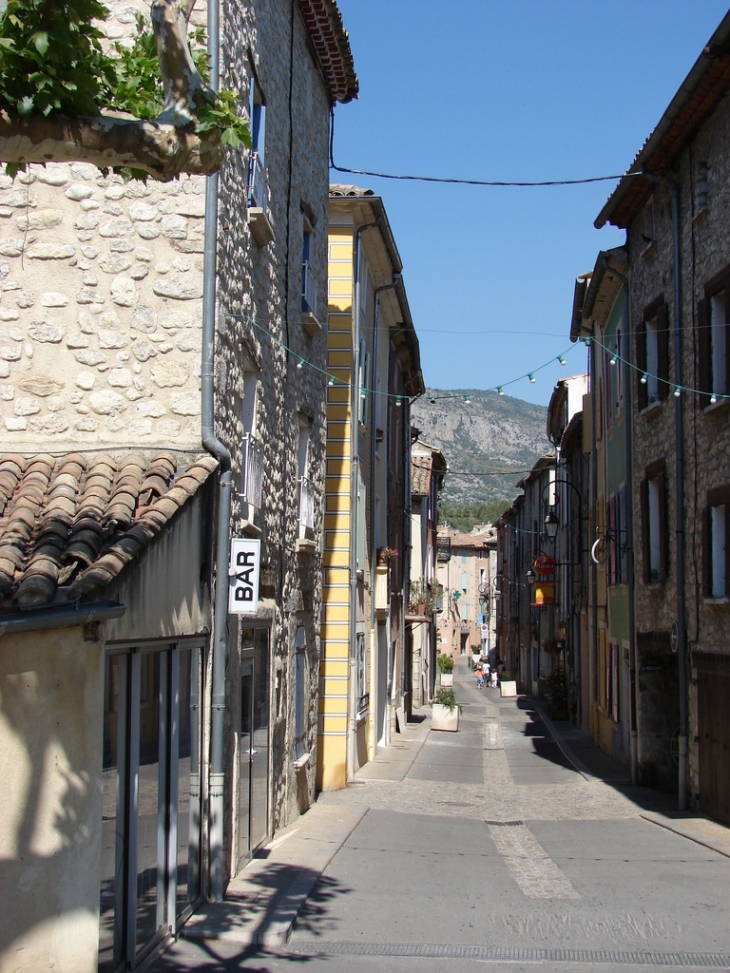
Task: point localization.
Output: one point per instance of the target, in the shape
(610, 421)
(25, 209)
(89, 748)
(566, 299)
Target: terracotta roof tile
(421, 475)
(70, 524)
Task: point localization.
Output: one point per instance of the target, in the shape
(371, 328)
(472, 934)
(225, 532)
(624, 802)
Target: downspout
(593, 656)
(633, 681)
(375, 662)
(219, 451)
(354, 497)
(679, 488)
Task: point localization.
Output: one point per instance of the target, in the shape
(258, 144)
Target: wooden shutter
(707, 552)
(645, 535)
(662, 323)
(642, 394)
(726, 288)
(663, 527)
(703, 352)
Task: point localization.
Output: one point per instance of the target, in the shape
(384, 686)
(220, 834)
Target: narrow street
(501, 846)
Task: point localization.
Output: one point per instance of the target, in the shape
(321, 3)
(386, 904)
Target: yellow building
(374, 370)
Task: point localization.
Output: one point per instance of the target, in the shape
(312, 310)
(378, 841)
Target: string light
(432, 399)
(467, 400)
(532, 378)
(332, 380)
(300, 363)
(500, 390)
(561, 360)
(677, 391)
(614, 360)
(713, 399)
(398, 401)
(644, 378)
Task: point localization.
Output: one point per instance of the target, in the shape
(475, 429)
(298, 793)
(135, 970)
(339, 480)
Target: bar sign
(243, 576)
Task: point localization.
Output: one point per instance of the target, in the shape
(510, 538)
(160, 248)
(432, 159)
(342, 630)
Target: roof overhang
(696, 99)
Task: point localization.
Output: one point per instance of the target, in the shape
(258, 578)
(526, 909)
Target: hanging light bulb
(432, 399)
(532, 378)
(500, 390)
(677, 392)
(713, 399)
(332, 380)
(561, 360)
(614, 359)
(467, 399)
(398, 400)
(300, 363)
(644, 378)
(587, 340)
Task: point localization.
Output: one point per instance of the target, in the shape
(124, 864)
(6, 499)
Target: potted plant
(446, 666)
(445, 711)
(417, 597)
(507, 684)
(386, 555)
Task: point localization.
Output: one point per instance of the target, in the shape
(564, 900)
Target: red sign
(545, 564)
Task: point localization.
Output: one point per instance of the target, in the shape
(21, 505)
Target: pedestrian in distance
(480, 677)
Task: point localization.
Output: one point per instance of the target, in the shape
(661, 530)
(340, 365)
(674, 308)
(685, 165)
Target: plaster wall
(51, 697)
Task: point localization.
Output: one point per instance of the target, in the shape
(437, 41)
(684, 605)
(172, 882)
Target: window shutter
(663, 531)
(642, 394)
(727, 547)
(703, 346)
(662, 321)
(726, 288)
(645, 537)
(707, 552)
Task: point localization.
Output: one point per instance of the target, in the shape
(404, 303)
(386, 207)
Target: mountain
(489, 433)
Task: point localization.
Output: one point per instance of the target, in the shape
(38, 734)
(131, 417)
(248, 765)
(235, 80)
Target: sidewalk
(263, 902)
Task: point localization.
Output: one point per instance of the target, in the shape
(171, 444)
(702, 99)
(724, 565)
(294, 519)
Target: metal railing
(252, 476)
(258, 190)
(306, 503)
(309, 290)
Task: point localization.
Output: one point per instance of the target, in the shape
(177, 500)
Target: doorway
(151, 806)
(253, 744)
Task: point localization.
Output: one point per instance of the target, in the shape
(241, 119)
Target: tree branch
(161, 150)
(183, 85)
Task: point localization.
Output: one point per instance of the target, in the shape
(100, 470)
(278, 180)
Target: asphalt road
(495, 853)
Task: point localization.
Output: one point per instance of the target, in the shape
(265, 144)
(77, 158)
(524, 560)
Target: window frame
(653, 328)
(654, 527)
(708, 385)
(716, 497)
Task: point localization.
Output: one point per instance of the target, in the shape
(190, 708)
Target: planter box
(447, 679)
(508, 688)
(443, 718)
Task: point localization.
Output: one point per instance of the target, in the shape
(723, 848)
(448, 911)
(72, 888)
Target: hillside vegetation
(489, 443)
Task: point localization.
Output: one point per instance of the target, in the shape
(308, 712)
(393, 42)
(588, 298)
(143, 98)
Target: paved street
(499, 847)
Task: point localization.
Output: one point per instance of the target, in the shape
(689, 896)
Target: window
(257, 189)
(652, 354)
(300, 670)
(306, 487)
(617, 526)
(716, 543)
(713, 322)
(309, 281)
(361, 693)
(654, 523)
(464, 580)
(252, 457)
(364, 383)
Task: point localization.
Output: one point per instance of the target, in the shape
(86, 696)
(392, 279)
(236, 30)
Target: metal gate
(713, 720)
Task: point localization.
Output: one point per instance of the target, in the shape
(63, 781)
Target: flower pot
(447, 679)
(443, 718)
(508, 688)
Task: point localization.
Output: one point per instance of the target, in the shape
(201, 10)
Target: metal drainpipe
(593, 656)
(217, 449)
(354, 490)
(679, 487)
(374, 673)
(633, 685)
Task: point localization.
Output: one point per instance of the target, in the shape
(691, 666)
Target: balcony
(443, 548)
(252, 471)
(258, 201)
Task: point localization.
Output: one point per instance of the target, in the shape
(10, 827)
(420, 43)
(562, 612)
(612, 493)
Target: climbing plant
(58, 83)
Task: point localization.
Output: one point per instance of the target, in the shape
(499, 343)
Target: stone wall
(705, 246)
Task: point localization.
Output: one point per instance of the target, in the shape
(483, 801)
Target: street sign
(243, 576)
(544, 564)
(485, 630)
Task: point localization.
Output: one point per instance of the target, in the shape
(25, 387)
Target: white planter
(443, 718)
(447, 679)
(508, 688)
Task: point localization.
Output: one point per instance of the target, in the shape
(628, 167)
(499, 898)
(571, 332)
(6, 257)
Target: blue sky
(506, 90)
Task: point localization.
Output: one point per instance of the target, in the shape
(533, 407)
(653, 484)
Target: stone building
(672, 204)
(374, 368)
(466, 577)
(184, 734)
(425, 597)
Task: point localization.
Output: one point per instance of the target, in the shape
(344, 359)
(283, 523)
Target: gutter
(65, 616)
(216, 448)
